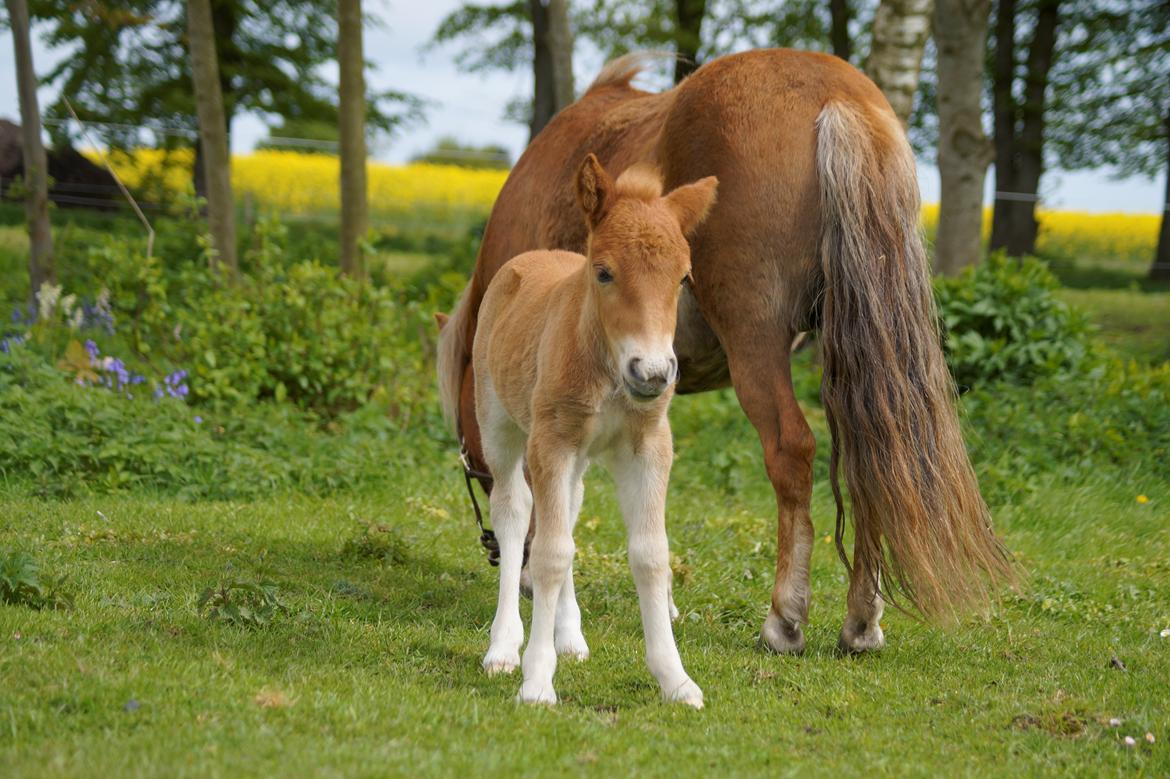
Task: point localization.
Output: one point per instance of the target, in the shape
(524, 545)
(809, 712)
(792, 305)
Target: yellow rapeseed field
(298, 184)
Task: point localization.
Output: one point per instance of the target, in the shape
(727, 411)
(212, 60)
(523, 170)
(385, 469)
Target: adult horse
(816, 227)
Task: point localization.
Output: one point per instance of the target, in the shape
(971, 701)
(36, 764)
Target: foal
(574, 361)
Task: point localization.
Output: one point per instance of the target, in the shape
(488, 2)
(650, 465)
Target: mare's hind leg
(511, 505)
(862, 631)
(763, 383)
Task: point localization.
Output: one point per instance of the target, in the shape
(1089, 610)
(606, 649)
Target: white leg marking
(511, 505)
(570, 641)
(641, 485)
(549, 562)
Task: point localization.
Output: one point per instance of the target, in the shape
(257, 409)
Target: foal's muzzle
(646, 380)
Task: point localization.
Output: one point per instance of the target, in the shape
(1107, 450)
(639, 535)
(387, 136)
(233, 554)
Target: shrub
(1006, 323)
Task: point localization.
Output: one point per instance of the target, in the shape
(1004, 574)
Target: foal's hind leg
(569, 640)
(511, 505)
(763, 384)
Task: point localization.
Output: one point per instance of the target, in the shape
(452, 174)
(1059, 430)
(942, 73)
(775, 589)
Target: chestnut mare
(574, 362)
(816, 227)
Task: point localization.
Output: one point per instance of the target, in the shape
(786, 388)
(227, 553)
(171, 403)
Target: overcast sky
(471, 106)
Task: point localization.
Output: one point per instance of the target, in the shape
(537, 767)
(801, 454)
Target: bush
(62, 439)
(1113, 417)
(1005, 323)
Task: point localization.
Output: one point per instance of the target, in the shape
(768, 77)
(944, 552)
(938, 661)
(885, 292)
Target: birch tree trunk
(352, 120)
(36, 165)
(900, 31)
(221, 217)
(964, 151)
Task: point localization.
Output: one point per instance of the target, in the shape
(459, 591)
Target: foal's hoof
(501, 661)
(572, 647)
(537, 692)
(687, 693)
(782, 636)
(858, 637)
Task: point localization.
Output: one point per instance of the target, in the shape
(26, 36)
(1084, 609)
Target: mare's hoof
(782, 636)
(859, 637)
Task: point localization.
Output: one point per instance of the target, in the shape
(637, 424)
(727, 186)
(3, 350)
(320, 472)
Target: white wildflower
(1114, 723)
(47, 297)
(1150, 738)
(1130, 742)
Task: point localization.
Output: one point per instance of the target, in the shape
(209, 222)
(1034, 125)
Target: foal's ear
(691, 203)
(441, 319)
(594, 190)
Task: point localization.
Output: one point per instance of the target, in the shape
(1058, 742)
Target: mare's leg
(511, 504)
(570, 641)
(554, 471)
(862, 631)
(641, 476)
(763, 383)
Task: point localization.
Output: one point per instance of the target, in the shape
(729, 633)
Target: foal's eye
(604, 276)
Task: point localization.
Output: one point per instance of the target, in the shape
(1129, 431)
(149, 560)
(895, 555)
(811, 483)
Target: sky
(470, 107)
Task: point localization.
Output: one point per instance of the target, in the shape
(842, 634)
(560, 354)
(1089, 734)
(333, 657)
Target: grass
(1133, 321)
(374, 669)
(376, 604)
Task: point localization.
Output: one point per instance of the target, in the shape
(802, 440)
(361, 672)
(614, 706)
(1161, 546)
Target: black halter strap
(487, 538)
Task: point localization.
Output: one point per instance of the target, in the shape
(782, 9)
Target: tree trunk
(1030, 148)
(224, 20)
(543, 78)
(1018, 199)
(560, 41)
(36, 166)
(900, 31)
(1160, 270)
(839, 14)
(221, 216)
(1004, 107)
(352, 115)
(689, 16)
(964, 152)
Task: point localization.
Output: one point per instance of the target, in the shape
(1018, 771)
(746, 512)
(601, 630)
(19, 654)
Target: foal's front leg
(641, 475)
(554, 472)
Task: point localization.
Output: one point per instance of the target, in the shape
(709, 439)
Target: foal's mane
(642, 181)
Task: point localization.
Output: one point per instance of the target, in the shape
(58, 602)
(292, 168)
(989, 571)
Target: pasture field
(349, 602)
(374, 669)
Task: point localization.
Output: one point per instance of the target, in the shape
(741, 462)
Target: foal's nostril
(632, 368)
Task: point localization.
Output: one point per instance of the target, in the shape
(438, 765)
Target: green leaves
(1006, 323)
(242, 603)
(23, 584)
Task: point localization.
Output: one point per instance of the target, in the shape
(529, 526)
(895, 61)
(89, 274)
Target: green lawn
(375, 668)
